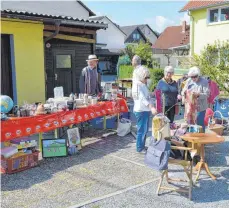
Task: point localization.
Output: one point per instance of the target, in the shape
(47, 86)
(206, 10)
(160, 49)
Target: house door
(64, 70)
(6, 70)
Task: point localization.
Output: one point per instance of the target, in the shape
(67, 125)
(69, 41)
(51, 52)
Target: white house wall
(65, 8)
(112, 36)
(149, 34)
(164, 60)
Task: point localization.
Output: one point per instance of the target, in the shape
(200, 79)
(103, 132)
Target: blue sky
(158, 14)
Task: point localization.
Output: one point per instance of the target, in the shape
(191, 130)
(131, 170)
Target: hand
(196, 94)
(153, 110)
(100, 95)
(179, 97)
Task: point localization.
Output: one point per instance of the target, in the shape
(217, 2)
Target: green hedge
(126, 71)
(156, 75)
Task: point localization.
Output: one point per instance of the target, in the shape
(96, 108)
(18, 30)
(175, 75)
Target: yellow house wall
(29, 59)
(204, 33)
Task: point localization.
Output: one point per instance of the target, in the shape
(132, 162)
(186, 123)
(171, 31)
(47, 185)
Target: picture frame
(54, 148)
(73, 136)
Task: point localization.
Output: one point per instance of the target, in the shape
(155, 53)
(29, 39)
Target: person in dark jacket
(169, 89)
(90, 78)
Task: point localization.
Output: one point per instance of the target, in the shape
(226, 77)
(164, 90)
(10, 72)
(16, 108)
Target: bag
(124, 127)
(157, 154)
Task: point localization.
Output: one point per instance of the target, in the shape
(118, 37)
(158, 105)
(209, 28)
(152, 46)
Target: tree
(144, 50)
(214, 63)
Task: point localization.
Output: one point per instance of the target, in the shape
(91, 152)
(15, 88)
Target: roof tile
(173, 37)
(193, 4)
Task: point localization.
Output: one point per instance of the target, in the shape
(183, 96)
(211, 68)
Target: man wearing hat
(90, 78)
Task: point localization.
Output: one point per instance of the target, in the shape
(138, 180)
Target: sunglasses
(193, 77)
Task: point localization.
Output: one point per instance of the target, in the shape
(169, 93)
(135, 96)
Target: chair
(186, 164)
(160, 126)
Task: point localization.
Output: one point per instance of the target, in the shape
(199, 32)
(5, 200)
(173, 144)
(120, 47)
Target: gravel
(109, 171)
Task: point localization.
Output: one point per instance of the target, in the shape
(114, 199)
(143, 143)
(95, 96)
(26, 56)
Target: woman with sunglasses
(198, 88)
(169, 89)
(142, 106)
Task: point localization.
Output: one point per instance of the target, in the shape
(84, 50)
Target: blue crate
(222, 105)
(125, 115)
(97, 123)
(111, 122)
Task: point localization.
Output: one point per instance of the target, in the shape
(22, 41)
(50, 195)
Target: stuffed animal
(40, 109)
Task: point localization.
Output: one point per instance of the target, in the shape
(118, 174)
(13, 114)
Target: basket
(217, 128)
(20, 163)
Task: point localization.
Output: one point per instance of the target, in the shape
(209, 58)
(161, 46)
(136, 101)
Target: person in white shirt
(136, 63)
(142, 106)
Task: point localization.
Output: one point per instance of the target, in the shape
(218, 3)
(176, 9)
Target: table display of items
(18, 155)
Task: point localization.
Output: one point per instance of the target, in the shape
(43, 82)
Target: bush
(214, 63)
(155, 75)
(124, 60)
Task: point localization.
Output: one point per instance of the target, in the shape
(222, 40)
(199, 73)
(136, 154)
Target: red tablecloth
(19, 127)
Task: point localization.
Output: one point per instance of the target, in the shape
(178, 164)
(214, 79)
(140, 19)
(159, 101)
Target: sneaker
(143, 151)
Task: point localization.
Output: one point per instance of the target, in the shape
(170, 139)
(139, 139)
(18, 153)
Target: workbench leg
(104, 122)
(40, 141)
(56, 133)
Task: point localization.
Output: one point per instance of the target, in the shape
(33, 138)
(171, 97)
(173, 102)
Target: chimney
(183, 26)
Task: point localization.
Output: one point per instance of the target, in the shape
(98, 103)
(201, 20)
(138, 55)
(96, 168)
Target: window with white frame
(134, 36)
(218, 15)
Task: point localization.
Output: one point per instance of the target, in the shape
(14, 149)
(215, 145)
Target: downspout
(192, 34)
(57, 24)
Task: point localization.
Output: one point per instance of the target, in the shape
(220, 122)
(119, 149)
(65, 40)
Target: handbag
(124, 127)
(157, 155)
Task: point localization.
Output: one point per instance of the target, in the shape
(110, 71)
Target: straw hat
(92, 58)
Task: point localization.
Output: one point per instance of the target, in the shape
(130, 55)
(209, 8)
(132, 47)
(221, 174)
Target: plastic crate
(20, 163)
(222, 106)
(97, 123)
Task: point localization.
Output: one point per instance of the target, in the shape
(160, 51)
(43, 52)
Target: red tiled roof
(173, 37)
(194, 4)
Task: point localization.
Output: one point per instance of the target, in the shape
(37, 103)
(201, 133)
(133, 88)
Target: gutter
(57, 24)
(181, 47)
(191, 52)
(52, 20)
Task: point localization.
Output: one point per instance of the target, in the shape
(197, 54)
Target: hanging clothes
(214, 91)
(190, 107)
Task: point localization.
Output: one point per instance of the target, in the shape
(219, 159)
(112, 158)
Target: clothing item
(159, 101)
(135, 74)
(200, 119)
(170, 113)
(201, 87)
(141, 97)
(190, 108)
(169, 90)
(214, 91)
(142, 129)
(90, 81)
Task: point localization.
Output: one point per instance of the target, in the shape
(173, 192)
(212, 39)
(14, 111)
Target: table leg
(203, 164)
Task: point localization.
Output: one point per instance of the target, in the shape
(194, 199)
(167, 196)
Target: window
(63, 61)
(214, 15)
(219, 15)
(224, 14)
(137, 36)
(134, 36)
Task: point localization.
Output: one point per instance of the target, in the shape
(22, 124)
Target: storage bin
(20, 163)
